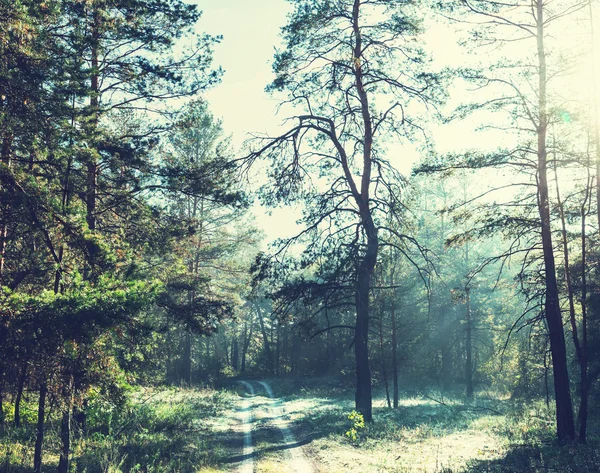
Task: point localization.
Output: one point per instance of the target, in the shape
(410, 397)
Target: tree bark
(39, 437)
(564, 407)
(19, 396)
(6, 161)
(583, 362)
(2, 418)
(363, 397)
(65, 430)
(383, 366)
(246, 342)
(395, 358)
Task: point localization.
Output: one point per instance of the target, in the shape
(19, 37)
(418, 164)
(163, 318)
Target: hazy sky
(250, 32)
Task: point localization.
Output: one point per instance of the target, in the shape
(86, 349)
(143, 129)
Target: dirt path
(271, 411)
(247, 419)
(297, 460)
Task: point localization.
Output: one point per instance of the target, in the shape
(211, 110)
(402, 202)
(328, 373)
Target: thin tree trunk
(65, 430)
(235, 353)
(6, 161)
(2, 418)
(19, 396)
(267, 345)
(187, 358)
(469, 363)
(277, 349)
(383, 367)
(39, 437)
(564, 407)
(395, 356)
(584, 382)
(580, 346)
(246, 344)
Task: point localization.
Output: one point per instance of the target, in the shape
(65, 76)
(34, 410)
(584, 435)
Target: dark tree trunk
(564, 407)
(5, 157)
(235, 353)
(65, 430)
(383, 366)
(395, 358)
(277, 349)
(583, 363)
(186, 375)
(267, 345)
(366, 266)
(65, 437)
(19, 396)
(246, 342)
(363, 397)
(1, 400)
(39, 437)
(92, 165)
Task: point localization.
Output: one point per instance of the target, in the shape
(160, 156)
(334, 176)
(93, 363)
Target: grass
(158, 430)
(430, 434)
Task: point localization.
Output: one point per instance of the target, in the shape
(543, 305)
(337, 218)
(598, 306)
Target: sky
(250, 32)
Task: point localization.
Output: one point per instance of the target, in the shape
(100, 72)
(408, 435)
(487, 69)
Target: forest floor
(300, 426)
(427, 433)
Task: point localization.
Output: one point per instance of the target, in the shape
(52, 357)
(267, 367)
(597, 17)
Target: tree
(531, 116)
(339, 66)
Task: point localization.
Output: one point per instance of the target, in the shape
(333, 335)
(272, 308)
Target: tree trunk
(363, 396)
(39, 437)
(469, 363)
(277, 349)
(267, 345)
(580, 346)
(564, 407)
(583, 363)
(246, 343)
(65, 437)
(383, 367)
(235, 353)
(19, 396)
(187, 358)
(92, 165)
(1, 400)
(6, 161)
(395, 357)
(65, 430)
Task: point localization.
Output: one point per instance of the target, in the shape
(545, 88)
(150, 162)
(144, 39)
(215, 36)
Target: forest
(401, 273)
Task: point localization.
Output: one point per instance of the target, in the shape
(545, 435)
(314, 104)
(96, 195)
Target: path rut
(274, 412)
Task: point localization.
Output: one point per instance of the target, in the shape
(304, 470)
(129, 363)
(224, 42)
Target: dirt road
(263, 416)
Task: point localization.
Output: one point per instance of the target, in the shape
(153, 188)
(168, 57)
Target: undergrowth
(155, 431)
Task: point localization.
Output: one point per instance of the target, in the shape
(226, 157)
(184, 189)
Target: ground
(274, 426)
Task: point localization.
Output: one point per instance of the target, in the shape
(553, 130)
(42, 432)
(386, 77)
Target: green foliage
(357, 426)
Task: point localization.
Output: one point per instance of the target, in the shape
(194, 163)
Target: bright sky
(251, 32)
